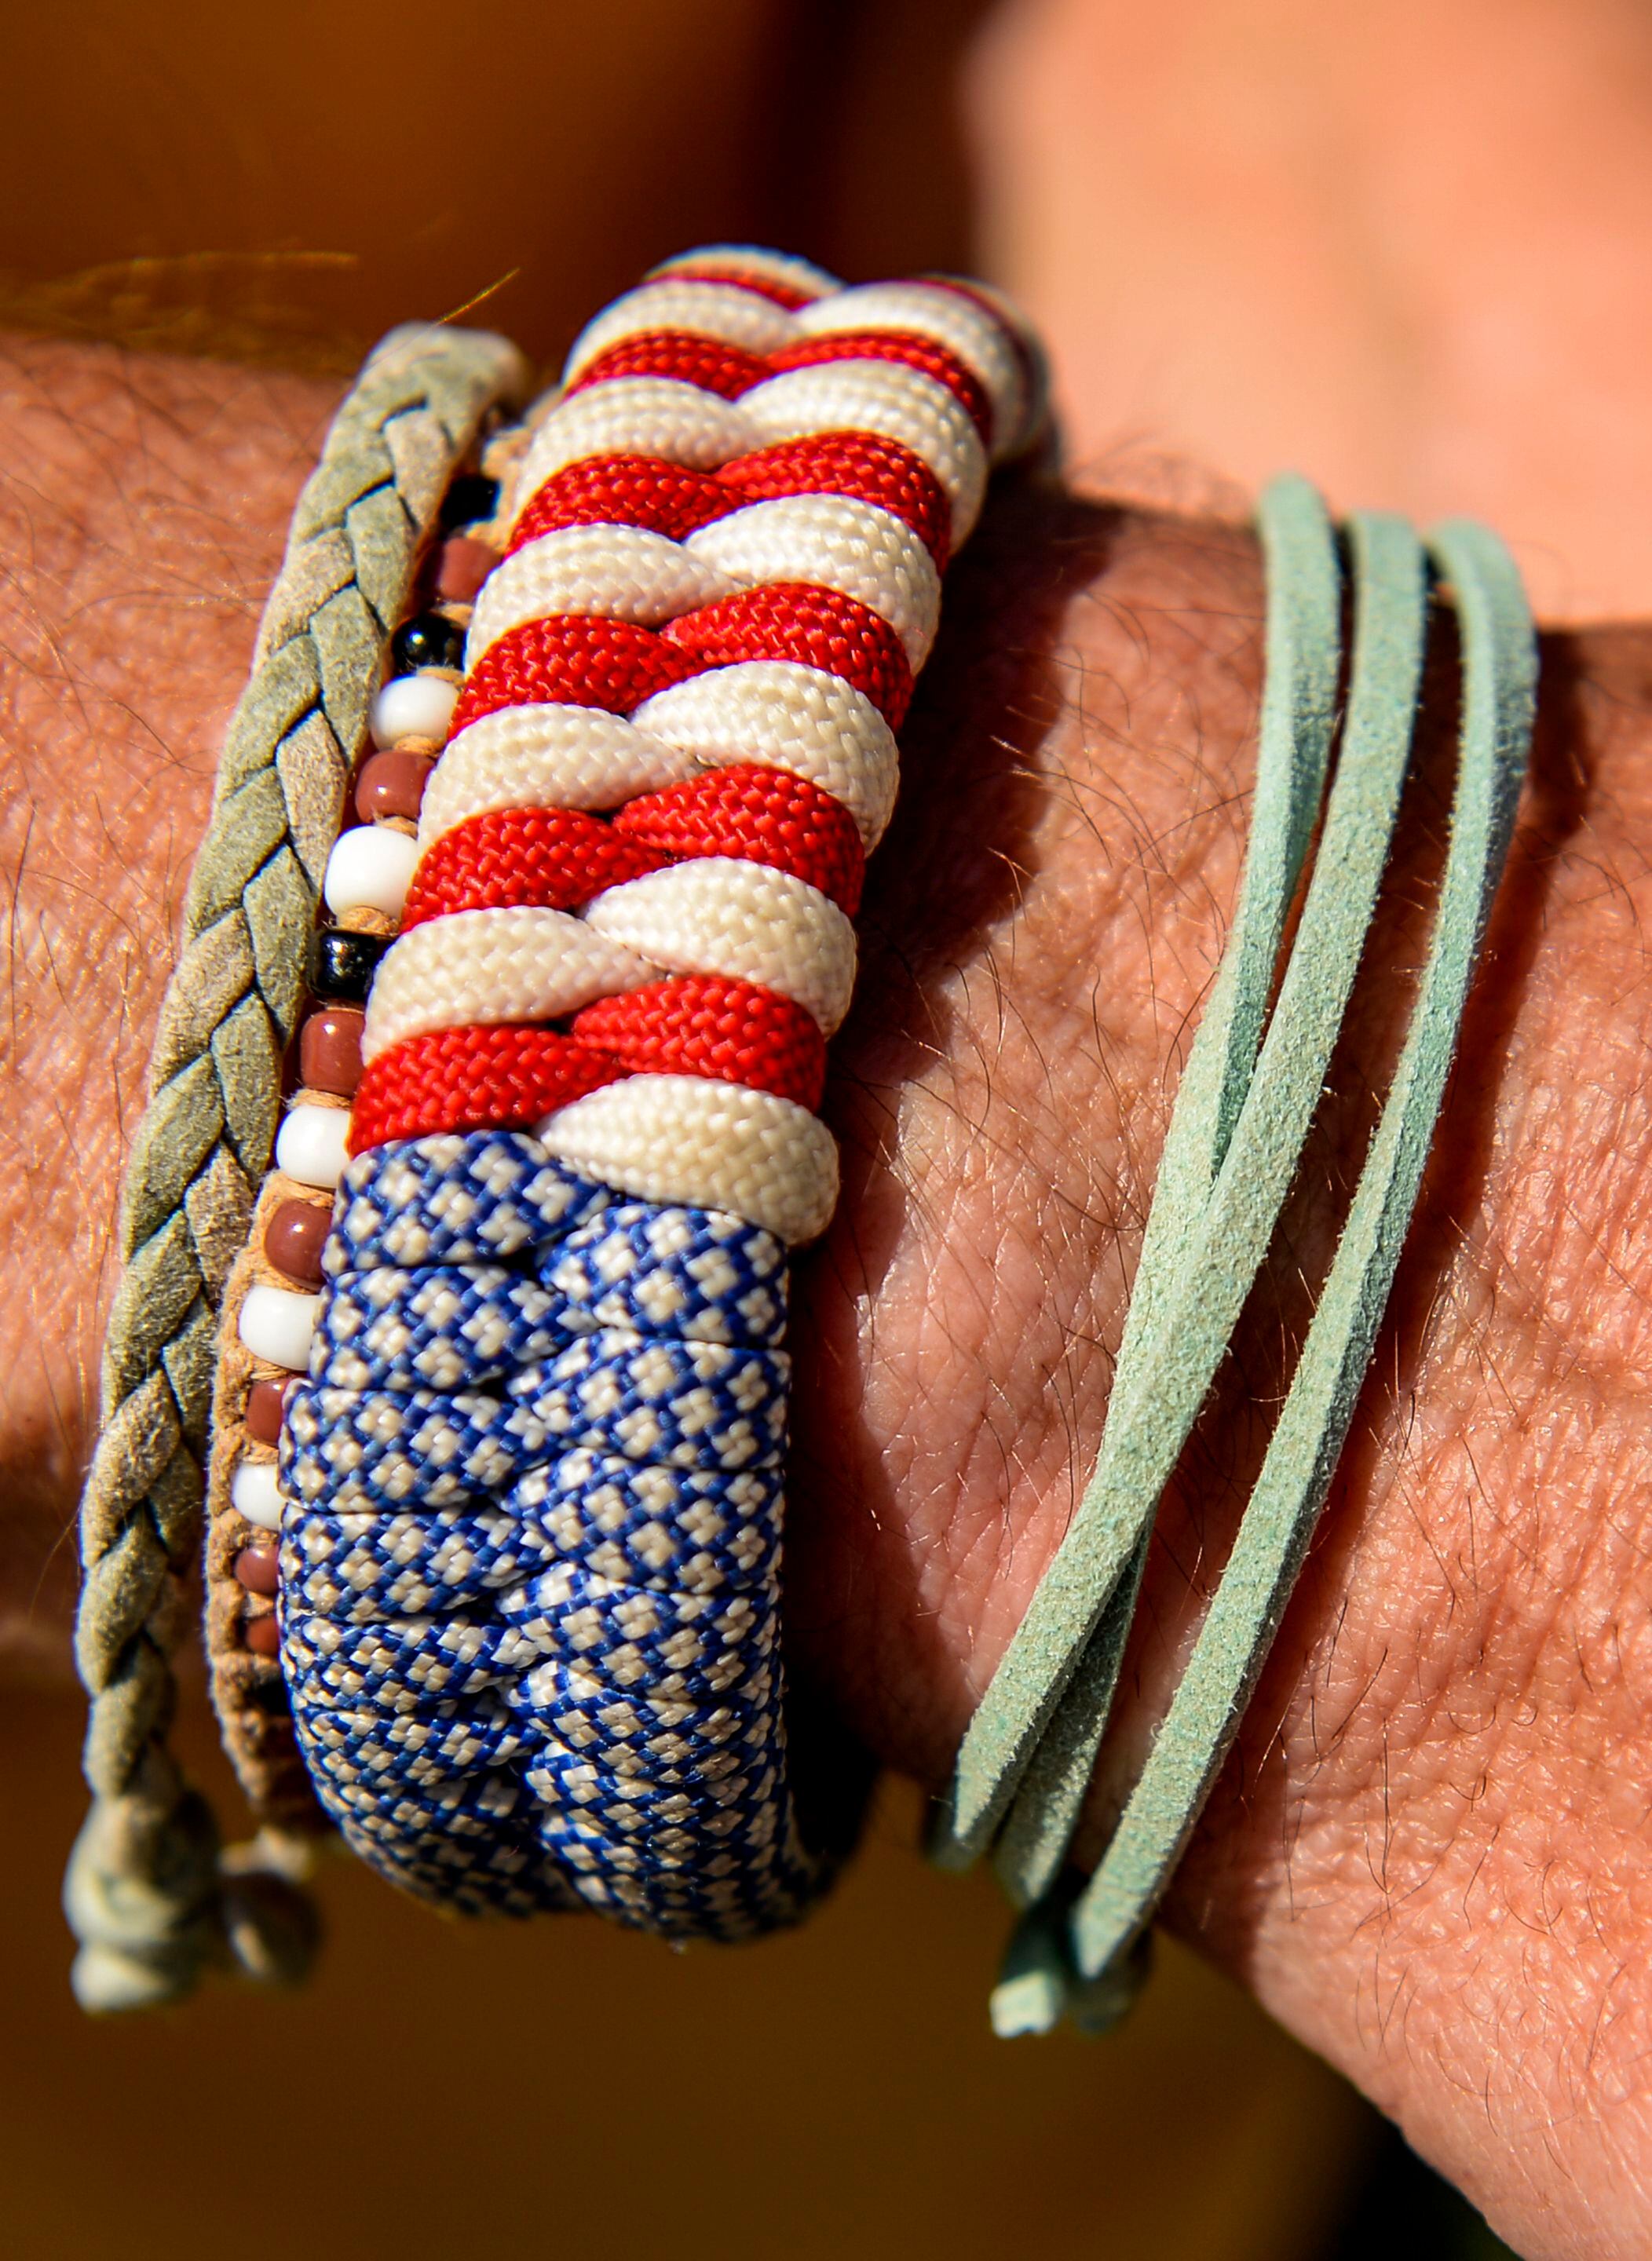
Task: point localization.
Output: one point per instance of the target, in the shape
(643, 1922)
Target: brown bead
(294, 1238)
(259, 1569)
(464, 564)
(264, 1402)
(263, 1635)
(330, 1049)
(392, 783)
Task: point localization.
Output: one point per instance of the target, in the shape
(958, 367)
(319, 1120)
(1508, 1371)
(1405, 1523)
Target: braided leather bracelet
(529, 1559)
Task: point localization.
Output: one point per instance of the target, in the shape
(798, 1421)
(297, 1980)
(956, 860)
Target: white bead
(413, 707)
(310, 1146)
(279, 1324)
(368, 869)
(255, 1492)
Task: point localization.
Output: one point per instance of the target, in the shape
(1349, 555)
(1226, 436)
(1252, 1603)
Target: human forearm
(1046, 919)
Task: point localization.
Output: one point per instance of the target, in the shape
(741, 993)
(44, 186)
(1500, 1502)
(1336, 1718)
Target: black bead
(342, 965)
(471, 497)
(268, 1694)
(427, 640)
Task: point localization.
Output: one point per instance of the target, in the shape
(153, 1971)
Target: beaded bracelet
(143, 1890)
(269, 1308)
(533, 1480)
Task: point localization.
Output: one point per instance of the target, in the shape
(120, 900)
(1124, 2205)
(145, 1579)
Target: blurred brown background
(445, 2089)
(1403, 247)
(294, 178)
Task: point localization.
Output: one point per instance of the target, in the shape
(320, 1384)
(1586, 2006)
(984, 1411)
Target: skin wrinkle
(1429, 1855)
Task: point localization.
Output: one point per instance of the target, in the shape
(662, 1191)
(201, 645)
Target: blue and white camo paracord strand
(529, 1629)
(531, 1548)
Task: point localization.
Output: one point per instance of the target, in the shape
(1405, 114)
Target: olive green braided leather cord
(142, 1887)
(1081, 1951)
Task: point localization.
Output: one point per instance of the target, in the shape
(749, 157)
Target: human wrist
(1461, 1569)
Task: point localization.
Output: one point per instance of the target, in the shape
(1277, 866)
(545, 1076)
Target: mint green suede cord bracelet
(1241, 1119)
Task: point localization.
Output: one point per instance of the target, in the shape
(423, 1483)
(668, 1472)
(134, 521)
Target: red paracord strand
(509, 1076)
(864, 465)
(744, 278)
(817, 627)
(573, 659)
(558, 858)
(626, 491)
(553, 858)
(707, 1025)
(761, 815)
(924, 353)
(714, 366)
(472, 1079)
(578, 660)
(729, 370)
(644, 490)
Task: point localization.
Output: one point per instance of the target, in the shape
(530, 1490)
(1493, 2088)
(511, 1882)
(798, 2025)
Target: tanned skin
(1429, 1856)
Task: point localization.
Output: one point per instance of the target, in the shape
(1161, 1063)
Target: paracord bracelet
(530, 1558)
(142, 1889)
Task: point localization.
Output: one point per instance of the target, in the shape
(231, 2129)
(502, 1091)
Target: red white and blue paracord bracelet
(530, 1547)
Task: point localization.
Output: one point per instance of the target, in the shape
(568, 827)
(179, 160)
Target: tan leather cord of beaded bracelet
(293, 1207)
(143, 1890)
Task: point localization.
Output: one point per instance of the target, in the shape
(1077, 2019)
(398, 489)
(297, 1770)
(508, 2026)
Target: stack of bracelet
(528, 1578)
(270, 1299)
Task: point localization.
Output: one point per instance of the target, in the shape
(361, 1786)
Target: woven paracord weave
(143, 1888)
(529, 1589)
